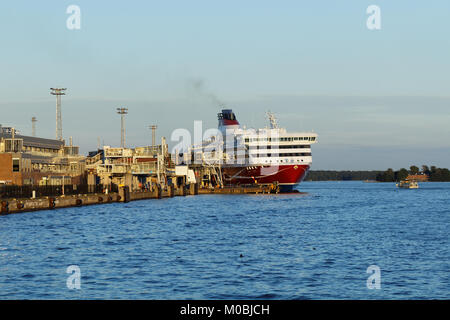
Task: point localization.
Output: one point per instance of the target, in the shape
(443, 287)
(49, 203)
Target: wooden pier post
(171, 191)
(193, 189)
(124, 193)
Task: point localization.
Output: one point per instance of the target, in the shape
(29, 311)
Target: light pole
(153, 127)
(58, 92)
(122, 111)
(33, 123)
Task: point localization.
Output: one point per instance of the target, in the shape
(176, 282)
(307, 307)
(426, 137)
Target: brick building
(26, 160)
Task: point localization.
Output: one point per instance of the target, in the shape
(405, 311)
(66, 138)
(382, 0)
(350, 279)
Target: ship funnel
(227, 120)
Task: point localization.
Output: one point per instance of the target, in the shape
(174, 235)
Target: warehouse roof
(35, 141)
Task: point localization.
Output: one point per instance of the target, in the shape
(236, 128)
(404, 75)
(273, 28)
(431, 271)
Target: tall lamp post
(58, 92)
(122, 111)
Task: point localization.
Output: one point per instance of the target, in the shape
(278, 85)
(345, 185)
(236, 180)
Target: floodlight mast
(33, 123)
(153, 127)
(58, 92)
(122, 111)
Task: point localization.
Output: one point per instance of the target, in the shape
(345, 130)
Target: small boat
(408, 184)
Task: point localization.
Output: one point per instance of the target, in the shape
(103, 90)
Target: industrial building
(134, 167)
(26, 160)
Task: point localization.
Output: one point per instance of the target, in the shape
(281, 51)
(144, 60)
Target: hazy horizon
(378, 99)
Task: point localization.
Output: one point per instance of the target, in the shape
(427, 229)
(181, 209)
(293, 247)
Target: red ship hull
(287, 176)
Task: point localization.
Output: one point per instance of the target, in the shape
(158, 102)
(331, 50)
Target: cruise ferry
(257, 156)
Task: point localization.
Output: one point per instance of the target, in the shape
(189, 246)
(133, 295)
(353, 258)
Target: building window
(16, 165)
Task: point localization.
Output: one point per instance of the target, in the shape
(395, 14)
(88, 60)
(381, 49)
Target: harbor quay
(42, 174)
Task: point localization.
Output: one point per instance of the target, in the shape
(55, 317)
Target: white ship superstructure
(257, 156)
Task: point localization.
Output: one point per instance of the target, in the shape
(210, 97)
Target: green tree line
(327, 175)
(433, 173)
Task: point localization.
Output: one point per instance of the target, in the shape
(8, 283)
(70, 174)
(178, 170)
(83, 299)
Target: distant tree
(434, 173)
(439, 174)
(347, 176)
(445, 175)
(341, 175)
(389, 175)
(402, 174)
(414, 170)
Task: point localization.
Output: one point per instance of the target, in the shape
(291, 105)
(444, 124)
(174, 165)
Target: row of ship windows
(302, 146)
(286, 161)
(283, 155)
(281, 139)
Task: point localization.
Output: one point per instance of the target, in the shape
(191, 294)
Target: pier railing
(17, 192)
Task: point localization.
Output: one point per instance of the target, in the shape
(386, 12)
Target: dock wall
(9, 206)
(49, 203)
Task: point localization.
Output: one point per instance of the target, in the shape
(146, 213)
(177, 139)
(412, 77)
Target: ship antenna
(272, 120)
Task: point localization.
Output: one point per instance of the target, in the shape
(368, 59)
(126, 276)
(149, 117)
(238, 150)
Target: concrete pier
(9, 206)
(49, 203)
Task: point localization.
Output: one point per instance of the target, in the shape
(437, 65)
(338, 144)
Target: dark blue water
(312, 246)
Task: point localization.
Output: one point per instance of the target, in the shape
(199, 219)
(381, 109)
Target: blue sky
(377, 99)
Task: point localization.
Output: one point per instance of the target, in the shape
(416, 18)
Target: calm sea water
(310, 246)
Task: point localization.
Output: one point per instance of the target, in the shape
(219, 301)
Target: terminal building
(26, 160)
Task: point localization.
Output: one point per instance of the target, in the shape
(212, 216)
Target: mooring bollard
(159, 192)
(171, 191)
(4, 207)
(191, 189)
(181, 190)
(19, 205)
(124, 193)
(51, 203)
